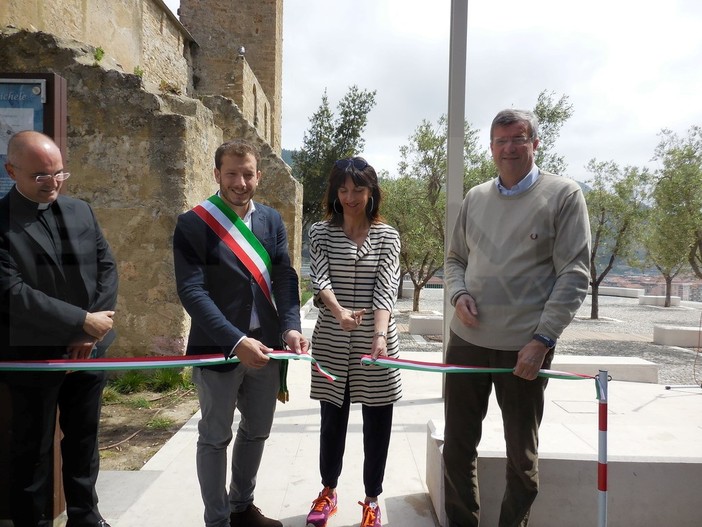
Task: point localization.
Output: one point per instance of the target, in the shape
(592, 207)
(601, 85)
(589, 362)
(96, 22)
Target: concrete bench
(654, 300)
(435, 469)
(568, 482)
(682, 336)
(627, 292)
(631, 369)
(426, 323)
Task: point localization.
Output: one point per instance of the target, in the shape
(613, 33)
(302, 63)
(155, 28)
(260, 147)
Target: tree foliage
(666, 234)
(420, 226)
(328, 138)
(552, 115)
(415, 203)
(680, 186)
(615, 205)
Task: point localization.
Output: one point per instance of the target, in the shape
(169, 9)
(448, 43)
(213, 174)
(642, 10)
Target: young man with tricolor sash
(236, 282)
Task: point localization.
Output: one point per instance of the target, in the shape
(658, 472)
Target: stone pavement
(624, 329)
(647, 422)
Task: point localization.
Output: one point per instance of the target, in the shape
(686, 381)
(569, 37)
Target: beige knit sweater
(524, 259)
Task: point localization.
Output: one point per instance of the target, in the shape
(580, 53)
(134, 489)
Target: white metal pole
(456, 120)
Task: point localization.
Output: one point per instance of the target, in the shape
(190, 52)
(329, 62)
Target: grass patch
(160, 423)
(161, 380)
(111, 396)
(138, 403)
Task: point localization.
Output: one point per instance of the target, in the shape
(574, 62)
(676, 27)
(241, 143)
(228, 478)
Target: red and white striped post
(602, 380)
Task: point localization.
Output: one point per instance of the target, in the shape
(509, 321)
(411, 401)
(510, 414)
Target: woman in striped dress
(355, 271)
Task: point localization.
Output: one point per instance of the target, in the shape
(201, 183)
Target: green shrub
(168, 379)
(306, 290)
(130, 382)
(110, 395)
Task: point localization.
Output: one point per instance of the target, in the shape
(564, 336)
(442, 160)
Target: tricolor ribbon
(404, 364)
(143, 363)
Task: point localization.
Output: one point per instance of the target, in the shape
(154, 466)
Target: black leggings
(377, 424)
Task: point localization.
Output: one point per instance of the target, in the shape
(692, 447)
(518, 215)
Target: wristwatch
(546, 341)
(381, 334)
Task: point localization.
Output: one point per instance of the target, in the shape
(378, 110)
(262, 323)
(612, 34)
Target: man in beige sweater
(516, 272)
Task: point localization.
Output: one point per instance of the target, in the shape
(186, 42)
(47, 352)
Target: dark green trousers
(466, 404)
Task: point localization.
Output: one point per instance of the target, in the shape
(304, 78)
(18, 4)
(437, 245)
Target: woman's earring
(336, 201)
(372, 204)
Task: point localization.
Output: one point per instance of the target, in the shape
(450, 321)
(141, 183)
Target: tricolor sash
(238, 237)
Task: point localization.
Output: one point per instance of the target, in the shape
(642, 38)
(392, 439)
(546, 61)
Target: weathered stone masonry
(141, 157)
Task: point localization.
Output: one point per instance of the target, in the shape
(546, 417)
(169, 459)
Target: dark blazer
(43, 301)
(218, 291)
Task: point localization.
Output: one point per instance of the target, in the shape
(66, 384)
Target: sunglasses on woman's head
(356, 162)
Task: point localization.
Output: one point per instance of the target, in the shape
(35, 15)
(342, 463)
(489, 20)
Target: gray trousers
(254, 392)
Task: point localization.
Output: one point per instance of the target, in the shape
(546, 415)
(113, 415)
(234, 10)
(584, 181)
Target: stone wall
(248, 94)
(134, 34)
(144, 36)
(141, 158)
(221, 28)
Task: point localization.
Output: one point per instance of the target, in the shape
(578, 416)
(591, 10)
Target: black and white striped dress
(365, 277)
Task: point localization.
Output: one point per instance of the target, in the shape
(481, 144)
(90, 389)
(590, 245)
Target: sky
(629, 68)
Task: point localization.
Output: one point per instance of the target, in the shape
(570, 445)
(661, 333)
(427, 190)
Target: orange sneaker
(371, 514)
(322, 508)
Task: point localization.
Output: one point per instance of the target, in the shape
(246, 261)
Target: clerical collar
(40, 206)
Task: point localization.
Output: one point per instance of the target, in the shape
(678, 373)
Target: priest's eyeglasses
(43, 178)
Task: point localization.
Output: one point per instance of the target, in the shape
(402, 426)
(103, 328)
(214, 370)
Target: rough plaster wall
(220, 27)
(248, 94)
(131, 32)
(217, 48)
(164, 52)
(141, 159)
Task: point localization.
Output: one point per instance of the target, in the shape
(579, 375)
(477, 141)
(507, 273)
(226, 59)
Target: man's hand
(296, 341)
(252, 353)
(529, 360)
(81, 349)
(98, 324)
(467, 311)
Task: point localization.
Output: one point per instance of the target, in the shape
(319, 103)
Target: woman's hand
(350, 320)
(379, 348)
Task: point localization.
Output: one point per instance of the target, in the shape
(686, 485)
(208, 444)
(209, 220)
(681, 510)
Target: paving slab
(645, 421)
